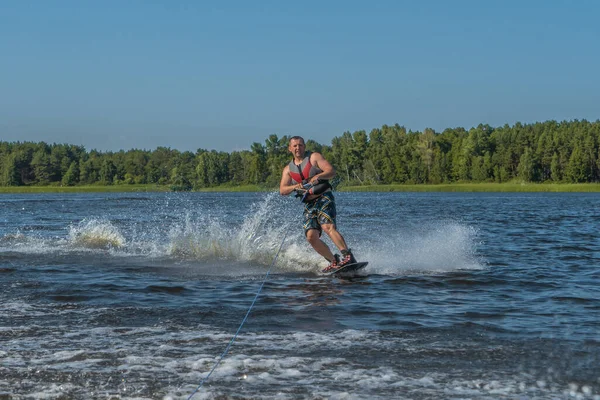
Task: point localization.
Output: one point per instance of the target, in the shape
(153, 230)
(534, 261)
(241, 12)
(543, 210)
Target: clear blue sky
(125, 74)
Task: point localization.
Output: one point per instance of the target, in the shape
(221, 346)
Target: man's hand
(303, 187)
(314, 180)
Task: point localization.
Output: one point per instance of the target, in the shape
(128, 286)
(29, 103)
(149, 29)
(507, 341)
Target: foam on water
(20, 309)
(437, 247)
(30, 243)
(96, 234)
(256, 240)
(207, 237)
(149, 362)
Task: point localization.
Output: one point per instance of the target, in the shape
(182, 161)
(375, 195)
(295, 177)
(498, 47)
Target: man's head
(297, 147)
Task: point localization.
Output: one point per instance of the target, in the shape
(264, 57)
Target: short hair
(297, 138)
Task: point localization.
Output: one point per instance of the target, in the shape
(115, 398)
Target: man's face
(297, 148)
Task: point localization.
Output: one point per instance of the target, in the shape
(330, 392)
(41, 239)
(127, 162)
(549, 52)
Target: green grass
(126, 188)
(84, 189)
(242, 188)
(454, 187)
(478, 187)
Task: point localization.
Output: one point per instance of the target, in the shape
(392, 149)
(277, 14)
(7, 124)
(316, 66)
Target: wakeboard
(348, 268)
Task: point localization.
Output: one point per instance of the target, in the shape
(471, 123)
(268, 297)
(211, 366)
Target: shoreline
(453, 187)
(510, 187)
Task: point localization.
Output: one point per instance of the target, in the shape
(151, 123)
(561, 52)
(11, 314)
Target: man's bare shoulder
(316, 156)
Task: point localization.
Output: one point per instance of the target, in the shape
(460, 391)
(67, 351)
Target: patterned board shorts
(319, 211)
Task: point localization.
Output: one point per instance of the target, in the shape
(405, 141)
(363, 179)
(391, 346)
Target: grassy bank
(84, 189)
(455, 187)
(243, 188)
(479, 187)
(125, 188)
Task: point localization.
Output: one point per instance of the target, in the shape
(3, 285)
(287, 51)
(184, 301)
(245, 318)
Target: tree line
(550, 151)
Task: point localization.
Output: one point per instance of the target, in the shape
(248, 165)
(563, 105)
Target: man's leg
(335, 236)
(338, 239)
(312, 235)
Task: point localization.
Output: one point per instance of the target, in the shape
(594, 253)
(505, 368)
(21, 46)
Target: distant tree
(71, 177)
(426, 150)
(527, 166)
(107, 172)
(40, 165)
(257, 170)
(87, 172)
(578, 169)
(555, 170)
(10, 172)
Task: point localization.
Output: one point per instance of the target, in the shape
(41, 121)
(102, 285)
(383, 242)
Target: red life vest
(303, 172)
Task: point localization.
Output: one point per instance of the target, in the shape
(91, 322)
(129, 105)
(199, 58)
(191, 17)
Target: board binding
(348, 268)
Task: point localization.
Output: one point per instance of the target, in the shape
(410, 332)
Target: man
(308, 174)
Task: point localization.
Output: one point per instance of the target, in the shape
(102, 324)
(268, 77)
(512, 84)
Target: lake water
(136, 296)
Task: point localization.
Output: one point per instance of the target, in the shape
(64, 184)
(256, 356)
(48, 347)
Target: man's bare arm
(320, 162)
(286, 186)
